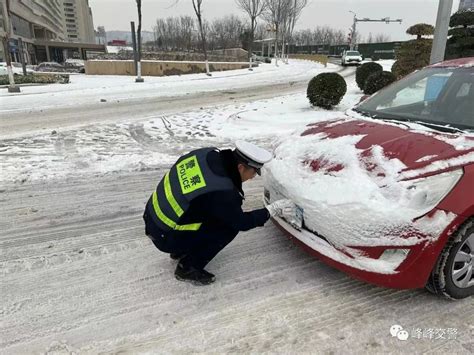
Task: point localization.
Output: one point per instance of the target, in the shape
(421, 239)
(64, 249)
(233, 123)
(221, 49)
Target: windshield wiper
(441, 128)
(399, 121)
(403, 121)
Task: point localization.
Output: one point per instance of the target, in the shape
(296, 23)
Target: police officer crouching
(196, 209)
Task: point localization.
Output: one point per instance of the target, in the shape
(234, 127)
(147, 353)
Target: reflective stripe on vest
(169, 196)
(169, 222)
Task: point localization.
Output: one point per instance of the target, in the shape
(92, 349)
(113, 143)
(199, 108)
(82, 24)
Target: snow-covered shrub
(37, 79)
(377, 81)
(363, 72)
(326, 90)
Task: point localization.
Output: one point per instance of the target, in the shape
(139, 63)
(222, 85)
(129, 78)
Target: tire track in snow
(269, 295)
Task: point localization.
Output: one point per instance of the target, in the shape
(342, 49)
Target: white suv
(351, 57)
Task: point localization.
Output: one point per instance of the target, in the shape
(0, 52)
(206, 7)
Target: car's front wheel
(453, 274)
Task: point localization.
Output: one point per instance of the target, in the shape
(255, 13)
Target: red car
(386, 193)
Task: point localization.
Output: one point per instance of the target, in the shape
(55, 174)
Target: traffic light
(349, 38)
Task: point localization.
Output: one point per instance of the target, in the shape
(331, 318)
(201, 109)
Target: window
(438, 95)
(425, 90)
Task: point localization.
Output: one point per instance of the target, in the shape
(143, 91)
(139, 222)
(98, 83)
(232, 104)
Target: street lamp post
(441, 31)
(354, 23)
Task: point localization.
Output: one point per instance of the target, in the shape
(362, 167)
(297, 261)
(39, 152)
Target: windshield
(352, 53)
(441, 96)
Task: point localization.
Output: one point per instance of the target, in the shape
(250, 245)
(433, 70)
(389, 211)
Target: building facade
(47, 30)
(78, 23)
(30, 20)
(466, 5)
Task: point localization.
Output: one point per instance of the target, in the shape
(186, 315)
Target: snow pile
(352, 205)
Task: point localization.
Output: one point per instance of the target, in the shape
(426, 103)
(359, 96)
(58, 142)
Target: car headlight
(426, 193)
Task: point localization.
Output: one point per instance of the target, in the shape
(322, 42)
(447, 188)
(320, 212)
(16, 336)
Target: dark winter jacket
(219, 211)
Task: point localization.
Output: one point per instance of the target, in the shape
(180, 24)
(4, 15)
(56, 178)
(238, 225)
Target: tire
(442, 280)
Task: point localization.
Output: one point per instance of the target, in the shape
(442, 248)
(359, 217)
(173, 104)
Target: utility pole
(366, 19)
(441, 31)
(134, 44)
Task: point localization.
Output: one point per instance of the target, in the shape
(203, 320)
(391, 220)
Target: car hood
(416, 148)
(348, 177)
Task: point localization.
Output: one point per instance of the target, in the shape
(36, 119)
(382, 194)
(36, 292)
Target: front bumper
(352, 60)
(407, 272)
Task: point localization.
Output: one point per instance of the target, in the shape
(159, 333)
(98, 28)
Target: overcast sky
(117, 14)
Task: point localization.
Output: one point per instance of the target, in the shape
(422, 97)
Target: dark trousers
(200, 247)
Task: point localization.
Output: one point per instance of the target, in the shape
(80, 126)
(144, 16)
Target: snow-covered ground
(157, 140)
(84, 89)
(79, 276)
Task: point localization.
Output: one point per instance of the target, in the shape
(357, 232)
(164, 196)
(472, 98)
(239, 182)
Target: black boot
(177, 256)
(193, 275)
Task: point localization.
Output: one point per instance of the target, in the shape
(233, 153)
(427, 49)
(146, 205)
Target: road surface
(80, 276)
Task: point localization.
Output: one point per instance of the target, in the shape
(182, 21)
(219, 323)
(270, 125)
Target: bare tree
(370, 38)
(319, 36)
(186, 31)
(197, 9)
(254, 9)
(6, 48)
(139, 78)
(225, 32)
(276, 14)
(381, 37)
(339, 37)
(294, 12)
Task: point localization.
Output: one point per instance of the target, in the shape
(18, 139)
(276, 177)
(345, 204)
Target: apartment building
(30, 20)
(50, 30)
(78, 24)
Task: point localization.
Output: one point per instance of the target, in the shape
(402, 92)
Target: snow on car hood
(416, 149)
(353, 194)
